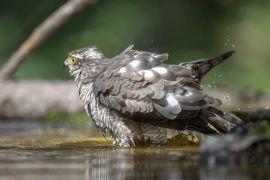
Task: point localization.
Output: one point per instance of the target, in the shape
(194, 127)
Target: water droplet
(227, 99)
(233, 46)
(228, 40)
(209, 86)
(220, 75)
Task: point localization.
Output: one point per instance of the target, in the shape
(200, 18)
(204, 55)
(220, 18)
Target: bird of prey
(134, 96)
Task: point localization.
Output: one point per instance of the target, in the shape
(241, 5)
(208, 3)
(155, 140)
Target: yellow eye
(73, 59)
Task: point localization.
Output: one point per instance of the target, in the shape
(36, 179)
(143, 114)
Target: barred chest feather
(120, 128)
(99, 114)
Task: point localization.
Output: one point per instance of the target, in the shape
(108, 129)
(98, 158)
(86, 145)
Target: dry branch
(54, 21)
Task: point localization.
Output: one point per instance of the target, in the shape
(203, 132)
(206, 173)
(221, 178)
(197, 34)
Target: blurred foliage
(186, 29)
(53, 116)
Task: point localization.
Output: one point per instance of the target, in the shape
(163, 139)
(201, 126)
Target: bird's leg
(156, 135)
(126, 133)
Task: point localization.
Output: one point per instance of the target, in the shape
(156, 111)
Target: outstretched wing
(138, 83)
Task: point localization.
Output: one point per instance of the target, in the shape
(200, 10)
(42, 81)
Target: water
(41, 151)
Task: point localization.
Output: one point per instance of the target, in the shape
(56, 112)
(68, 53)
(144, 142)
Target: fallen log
(33, 99)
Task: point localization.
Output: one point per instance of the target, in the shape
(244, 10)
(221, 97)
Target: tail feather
(212, 121)
(203, 66)
(202, 126)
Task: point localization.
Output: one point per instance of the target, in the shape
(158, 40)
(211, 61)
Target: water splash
(227, 100)
(229, 42)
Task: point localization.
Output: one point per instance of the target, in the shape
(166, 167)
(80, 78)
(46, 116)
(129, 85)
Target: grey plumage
(133, 90)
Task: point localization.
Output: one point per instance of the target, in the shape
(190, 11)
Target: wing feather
(138, 83)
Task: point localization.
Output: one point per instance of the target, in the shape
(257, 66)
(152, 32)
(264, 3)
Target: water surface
(31, 150)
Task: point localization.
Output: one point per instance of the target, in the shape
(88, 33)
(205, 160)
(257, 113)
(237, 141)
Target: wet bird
(135, 96)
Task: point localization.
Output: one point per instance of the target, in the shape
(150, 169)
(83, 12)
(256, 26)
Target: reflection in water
(113, 163)
(138, 164)
(75, 156)
(160, 164)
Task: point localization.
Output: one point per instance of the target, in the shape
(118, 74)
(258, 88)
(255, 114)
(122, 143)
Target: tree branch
(47, 27)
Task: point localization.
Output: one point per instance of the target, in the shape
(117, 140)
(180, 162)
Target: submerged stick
(47, 27)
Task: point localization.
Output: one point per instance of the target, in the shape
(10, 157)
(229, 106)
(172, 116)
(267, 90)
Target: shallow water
(66, 151)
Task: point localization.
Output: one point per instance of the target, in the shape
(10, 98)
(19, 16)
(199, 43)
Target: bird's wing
(138, 83)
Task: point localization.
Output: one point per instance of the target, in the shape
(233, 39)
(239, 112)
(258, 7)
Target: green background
(186, 29)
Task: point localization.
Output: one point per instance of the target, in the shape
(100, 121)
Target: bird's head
(85, 61)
